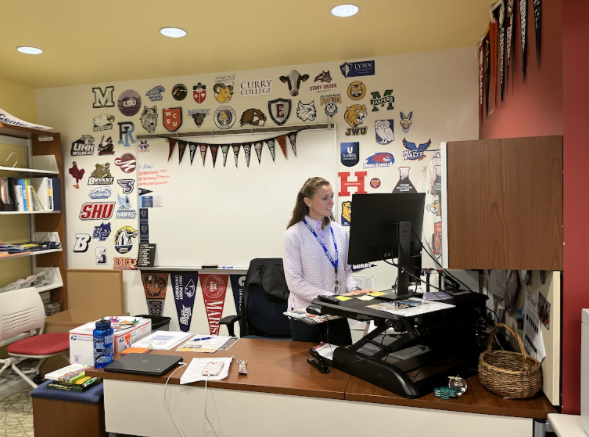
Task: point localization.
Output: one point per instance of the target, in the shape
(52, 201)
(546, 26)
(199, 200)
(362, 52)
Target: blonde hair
(308, 189)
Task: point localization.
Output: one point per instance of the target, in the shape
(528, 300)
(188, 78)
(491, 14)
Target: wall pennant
(184, 286)
(271, 143)
(258, 145)
(203, 152)
(509, 45)
(214, 288)
(236, 148)
(237, 283)
(481, 79)
(247, 148)
(181, 149)
(225, 151)
(493, 30)
(537, 22)
(172, 144)
(498, 12)
(282, 143)
(487, 72)
(192, 148)
(292, 137)
(172, 119)
(155, 286)
(523, 16)
(214, 149)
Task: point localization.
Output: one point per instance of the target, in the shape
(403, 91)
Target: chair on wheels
(21, 314)
(265, 299)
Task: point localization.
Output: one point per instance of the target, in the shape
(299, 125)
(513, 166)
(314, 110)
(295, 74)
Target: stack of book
(30, 194)
(71, 378)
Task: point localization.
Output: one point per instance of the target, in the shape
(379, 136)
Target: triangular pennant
(203, 152)
(282, 143)
(493, 40)
(487, 74)
(272, 147)
(236, 148)
(214, 288)
(538, 22)
(247, 148)
(143, 191)
(258, 145)
(481, 76)
(509, 38)
(292, 137)
(181, 149)
(155, 286)
(498, 13)
(184, 286)
(192, 148)
(214, 150)
(225, 150)
(523, 16)
(172, 143)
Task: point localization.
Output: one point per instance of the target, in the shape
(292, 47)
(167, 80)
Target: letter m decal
(103, 99)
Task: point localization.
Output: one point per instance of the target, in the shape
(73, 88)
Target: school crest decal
(350, 154)
(224, 117)
(149, 119)
(172, 119)
(127, 162)
(124, 239)
(102, 231)
(355, 116)
(223, 88)
(179, 92)
(103, 122)
(107, 148)
(384, 130)
(83, 146)
(356, 90)
(413, 151)
(199, 92)
(279, 110)
(306, 111)
(198, 115)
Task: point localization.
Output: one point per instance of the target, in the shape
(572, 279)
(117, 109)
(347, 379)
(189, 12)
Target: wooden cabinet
(502, 207)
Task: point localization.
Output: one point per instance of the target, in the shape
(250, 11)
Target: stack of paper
(162, 340)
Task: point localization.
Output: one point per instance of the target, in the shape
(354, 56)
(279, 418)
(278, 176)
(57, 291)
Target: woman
(315, 256)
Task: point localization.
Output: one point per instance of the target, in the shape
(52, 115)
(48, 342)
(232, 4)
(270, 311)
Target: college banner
(493, 40)
(214, 149)
(498, 12)
(282, 143)
(225, 151)
(184, 286)
(292, 137)
(155, 285)
(509, 47)
(237, 283)
(258, 146)
(537, 22)
(481, 79)
(192, 148)
(487, 73)
(181, 149)
(172, 143)
(214, 288)
(236, 149)
(272, 148)
(203, 152)
(523, 16)
(247, 148)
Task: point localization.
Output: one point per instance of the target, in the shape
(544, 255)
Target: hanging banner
(236, 148)
(225, 150)
(272, 147)
(487, 72)
(184, 286)
(7, 118)
(258, 145)
(509, 46)
(498, 12)
(282, 143)
(192, 148)
(493, 40)
(203, 152)
(155, 286)
(292, 137)
(214, 288)
(481, 78)
(214, 149)
(172, 145)
(247, 148)
(237, 283)
(181, 149)
(537, 22)
(523, 16)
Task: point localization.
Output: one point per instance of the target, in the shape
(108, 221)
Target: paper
(343, 298)
(326, 350)
(365, 282)
(194, 370)
(533, 340)
(440, 295)
(365, 297)
(228, 343)
(377, 293)
(203, 343)
(410, 307)
(162, 340)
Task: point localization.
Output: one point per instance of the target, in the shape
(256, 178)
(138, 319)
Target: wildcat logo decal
(198, 115)
(149, 119)
(306, 111)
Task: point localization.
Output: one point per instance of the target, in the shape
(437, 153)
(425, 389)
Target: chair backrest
(20, 311)
(264, 315)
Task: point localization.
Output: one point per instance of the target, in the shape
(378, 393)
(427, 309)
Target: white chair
(21, 314)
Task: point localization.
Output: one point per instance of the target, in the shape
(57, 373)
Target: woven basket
(509, 374)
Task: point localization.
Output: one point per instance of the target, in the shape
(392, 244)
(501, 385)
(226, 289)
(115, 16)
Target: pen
(203, 338)
(226, 267)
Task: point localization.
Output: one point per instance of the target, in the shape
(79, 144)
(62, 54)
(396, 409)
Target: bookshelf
(43, 157)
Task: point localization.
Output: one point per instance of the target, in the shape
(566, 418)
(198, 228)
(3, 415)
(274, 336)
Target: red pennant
(203, 152)
(508, 49)
(214, 288)
(181, 149)
(172, 145)
(481, 75)
(214, 150)
(493, 36)
(282, 143)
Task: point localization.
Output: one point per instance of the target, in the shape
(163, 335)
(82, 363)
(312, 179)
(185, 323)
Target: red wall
(534, 107)
(576, 210)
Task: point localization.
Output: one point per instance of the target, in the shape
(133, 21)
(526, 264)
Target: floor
(16, 415)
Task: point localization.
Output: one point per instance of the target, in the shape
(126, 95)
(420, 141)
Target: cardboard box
(81, 338)
(92, 294)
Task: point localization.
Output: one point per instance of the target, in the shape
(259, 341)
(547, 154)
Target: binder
(17, 190)
(40, 185)
(6, 202)
(56, 193)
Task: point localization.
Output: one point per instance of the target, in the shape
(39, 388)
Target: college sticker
(255, 87)
(413, 151)
(103, 122)
(198, 115)
(124, 263)
(125, 210)
(127, 163)
(155, 94)
(103, 192)
(107, 148)
(149, 119)
(384, 130)
(346, 213)
(172, 119)
(375, 183)
(406, 121)
(199, 93)
(355, 116)
(223, 88)
(129, 103)
(356, 90)
(293, 80)
(380, 159)
(386, 99)
(127, 185)
(253, 116)
(83, 146)
(101, 175)
(101, 232)
(126, 129)
(330, 101)
(124, 239)
(97, 210)
(355, 69)
(279, 110)
(224, 117)
(179, 92)
(324, 83)
(306, 111)
(350, 154)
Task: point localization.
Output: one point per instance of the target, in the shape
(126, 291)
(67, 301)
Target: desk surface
(281, 367)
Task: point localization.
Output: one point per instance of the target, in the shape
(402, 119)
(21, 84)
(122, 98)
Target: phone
(213, 368)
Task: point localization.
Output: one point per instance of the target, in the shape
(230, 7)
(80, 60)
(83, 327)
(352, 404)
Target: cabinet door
(504, 202)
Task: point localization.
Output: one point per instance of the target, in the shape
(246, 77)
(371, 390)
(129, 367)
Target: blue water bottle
(103, 344)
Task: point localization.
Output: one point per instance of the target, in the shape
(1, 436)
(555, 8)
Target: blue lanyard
(333, 263)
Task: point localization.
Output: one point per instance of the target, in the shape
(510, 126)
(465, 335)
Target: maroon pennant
(282, 143)
(181, 149)
(247, 148)
(523, 16)
(509, 46)
(236, 148)
(258, 146)
(481, 83)
(203, 152)
(292, 137)
(172, 119)
(225, 151)
(498, 13)
(272, 147)
(538, 22)
(172, 143)
(493, 40)
(214, 150)
(192, 148)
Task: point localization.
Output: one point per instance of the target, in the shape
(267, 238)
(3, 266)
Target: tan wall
(18, 100)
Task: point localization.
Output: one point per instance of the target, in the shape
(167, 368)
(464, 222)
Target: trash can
(158, 323)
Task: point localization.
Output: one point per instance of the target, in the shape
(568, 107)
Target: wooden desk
(284, 395)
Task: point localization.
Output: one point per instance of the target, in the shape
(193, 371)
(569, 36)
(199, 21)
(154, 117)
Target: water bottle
(103, 344)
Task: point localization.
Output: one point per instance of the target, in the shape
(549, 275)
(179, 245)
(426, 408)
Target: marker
(204, 338)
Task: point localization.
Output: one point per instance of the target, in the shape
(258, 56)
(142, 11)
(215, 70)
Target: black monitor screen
(373, 229)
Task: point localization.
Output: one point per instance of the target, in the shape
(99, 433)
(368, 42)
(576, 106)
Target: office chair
(265, 299)
(21, 314)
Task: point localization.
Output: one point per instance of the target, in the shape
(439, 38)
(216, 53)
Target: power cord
(207, 417)
(167, 405)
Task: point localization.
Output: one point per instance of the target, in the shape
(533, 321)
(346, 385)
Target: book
(41, 188)
(56, 194)
(50, 194)
(72, 377)
(17, 189)
(56, 374)
(23, 193)
(78, 388)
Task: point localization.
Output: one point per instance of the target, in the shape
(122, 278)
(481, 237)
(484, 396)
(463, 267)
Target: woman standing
(315, 256)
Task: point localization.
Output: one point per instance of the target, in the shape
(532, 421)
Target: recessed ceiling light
(29, 50)
(173, 32)
(345, 10)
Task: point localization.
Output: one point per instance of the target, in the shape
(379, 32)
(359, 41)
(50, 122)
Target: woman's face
(321, 204)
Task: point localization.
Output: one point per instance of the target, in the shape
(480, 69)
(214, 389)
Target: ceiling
(115, 40)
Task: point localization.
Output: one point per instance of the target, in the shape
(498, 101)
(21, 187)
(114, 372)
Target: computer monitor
(387, 226)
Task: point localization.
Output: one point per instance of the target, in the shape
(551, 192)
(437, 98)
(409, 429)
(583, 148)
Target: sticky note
(365, 297)
(377, 293)
(343, 298)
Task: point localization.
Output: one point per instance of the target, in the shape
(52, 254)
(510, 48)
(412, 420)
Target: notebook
(144, 364)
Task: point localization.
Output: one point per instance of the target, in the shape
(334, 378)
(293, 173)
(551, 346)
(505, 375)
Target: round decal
(356, 90)
(124, 239)
(129, 103)
(127, 162)
(214, 287)
(224, 117)
(375, 182)
(179, 92)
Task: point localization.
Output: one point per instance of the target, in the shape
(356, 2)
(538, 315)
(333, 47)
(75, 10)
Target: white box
(82, 345)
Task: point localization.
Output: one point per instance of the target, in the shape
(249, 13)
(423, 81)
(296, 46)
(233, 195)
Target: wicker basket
(509, 374)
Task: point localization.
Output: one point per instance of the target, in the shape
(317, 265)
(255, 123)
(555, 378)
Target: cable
(167, 406)
(207, 417)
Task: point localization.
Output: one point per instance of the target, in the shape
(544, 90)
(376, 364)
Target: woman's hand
(358, 292)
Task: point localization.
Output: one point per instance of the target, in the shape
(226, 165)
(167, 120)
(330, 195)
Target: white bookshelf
(28, 212)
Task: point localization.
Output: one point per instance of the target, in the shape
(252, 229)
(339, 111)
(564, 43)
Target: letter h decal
(345, 183)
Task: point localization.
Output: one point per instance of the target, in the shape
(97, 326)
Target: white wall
(439, 87)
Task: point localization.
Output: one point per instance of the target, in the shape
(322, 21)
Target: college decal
(127, 163)
(203, 152)
(101, 175)
(83, 146)
(127, 185)
(103, 122)
(255, 87)
(523, 16)
(434, 208)
(380, 159)
(293, 80)
(324, 85)
(330, 101)
(252, 116)
(279, 110)
(100, 256)
(292, 137)
(355, 69)
(126, 129)
(124, 239)
(172, 119)
(102, 231)
(125, 210)
(355, 116)
(198, 115)
(223, 88)
(375, 183)
(97, 210)
(384, 130)
(155, 286)
(103, 99)
(350, 154)
(124, 263)
(149, 119)
(271, 143)
(247, 149)
(179, 92)
(77, 173)
(413, 151)
(184, 288)
(225, 151)
(258, 146)
(306, 111)
(387, 99)
(129, 103)
(107, 148)
(155, 94)
(237, 284)
(346, 183)
(181, 150)
(143, 233)
(404, 185)
(214, 150)
(282, 143)
(214, 288)
(199, 93)
(224, 117)
(82, 243)
(143, 146)
(346, 213)
(537, 22)
(356, 90)
(100, 193)
(236, 149)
